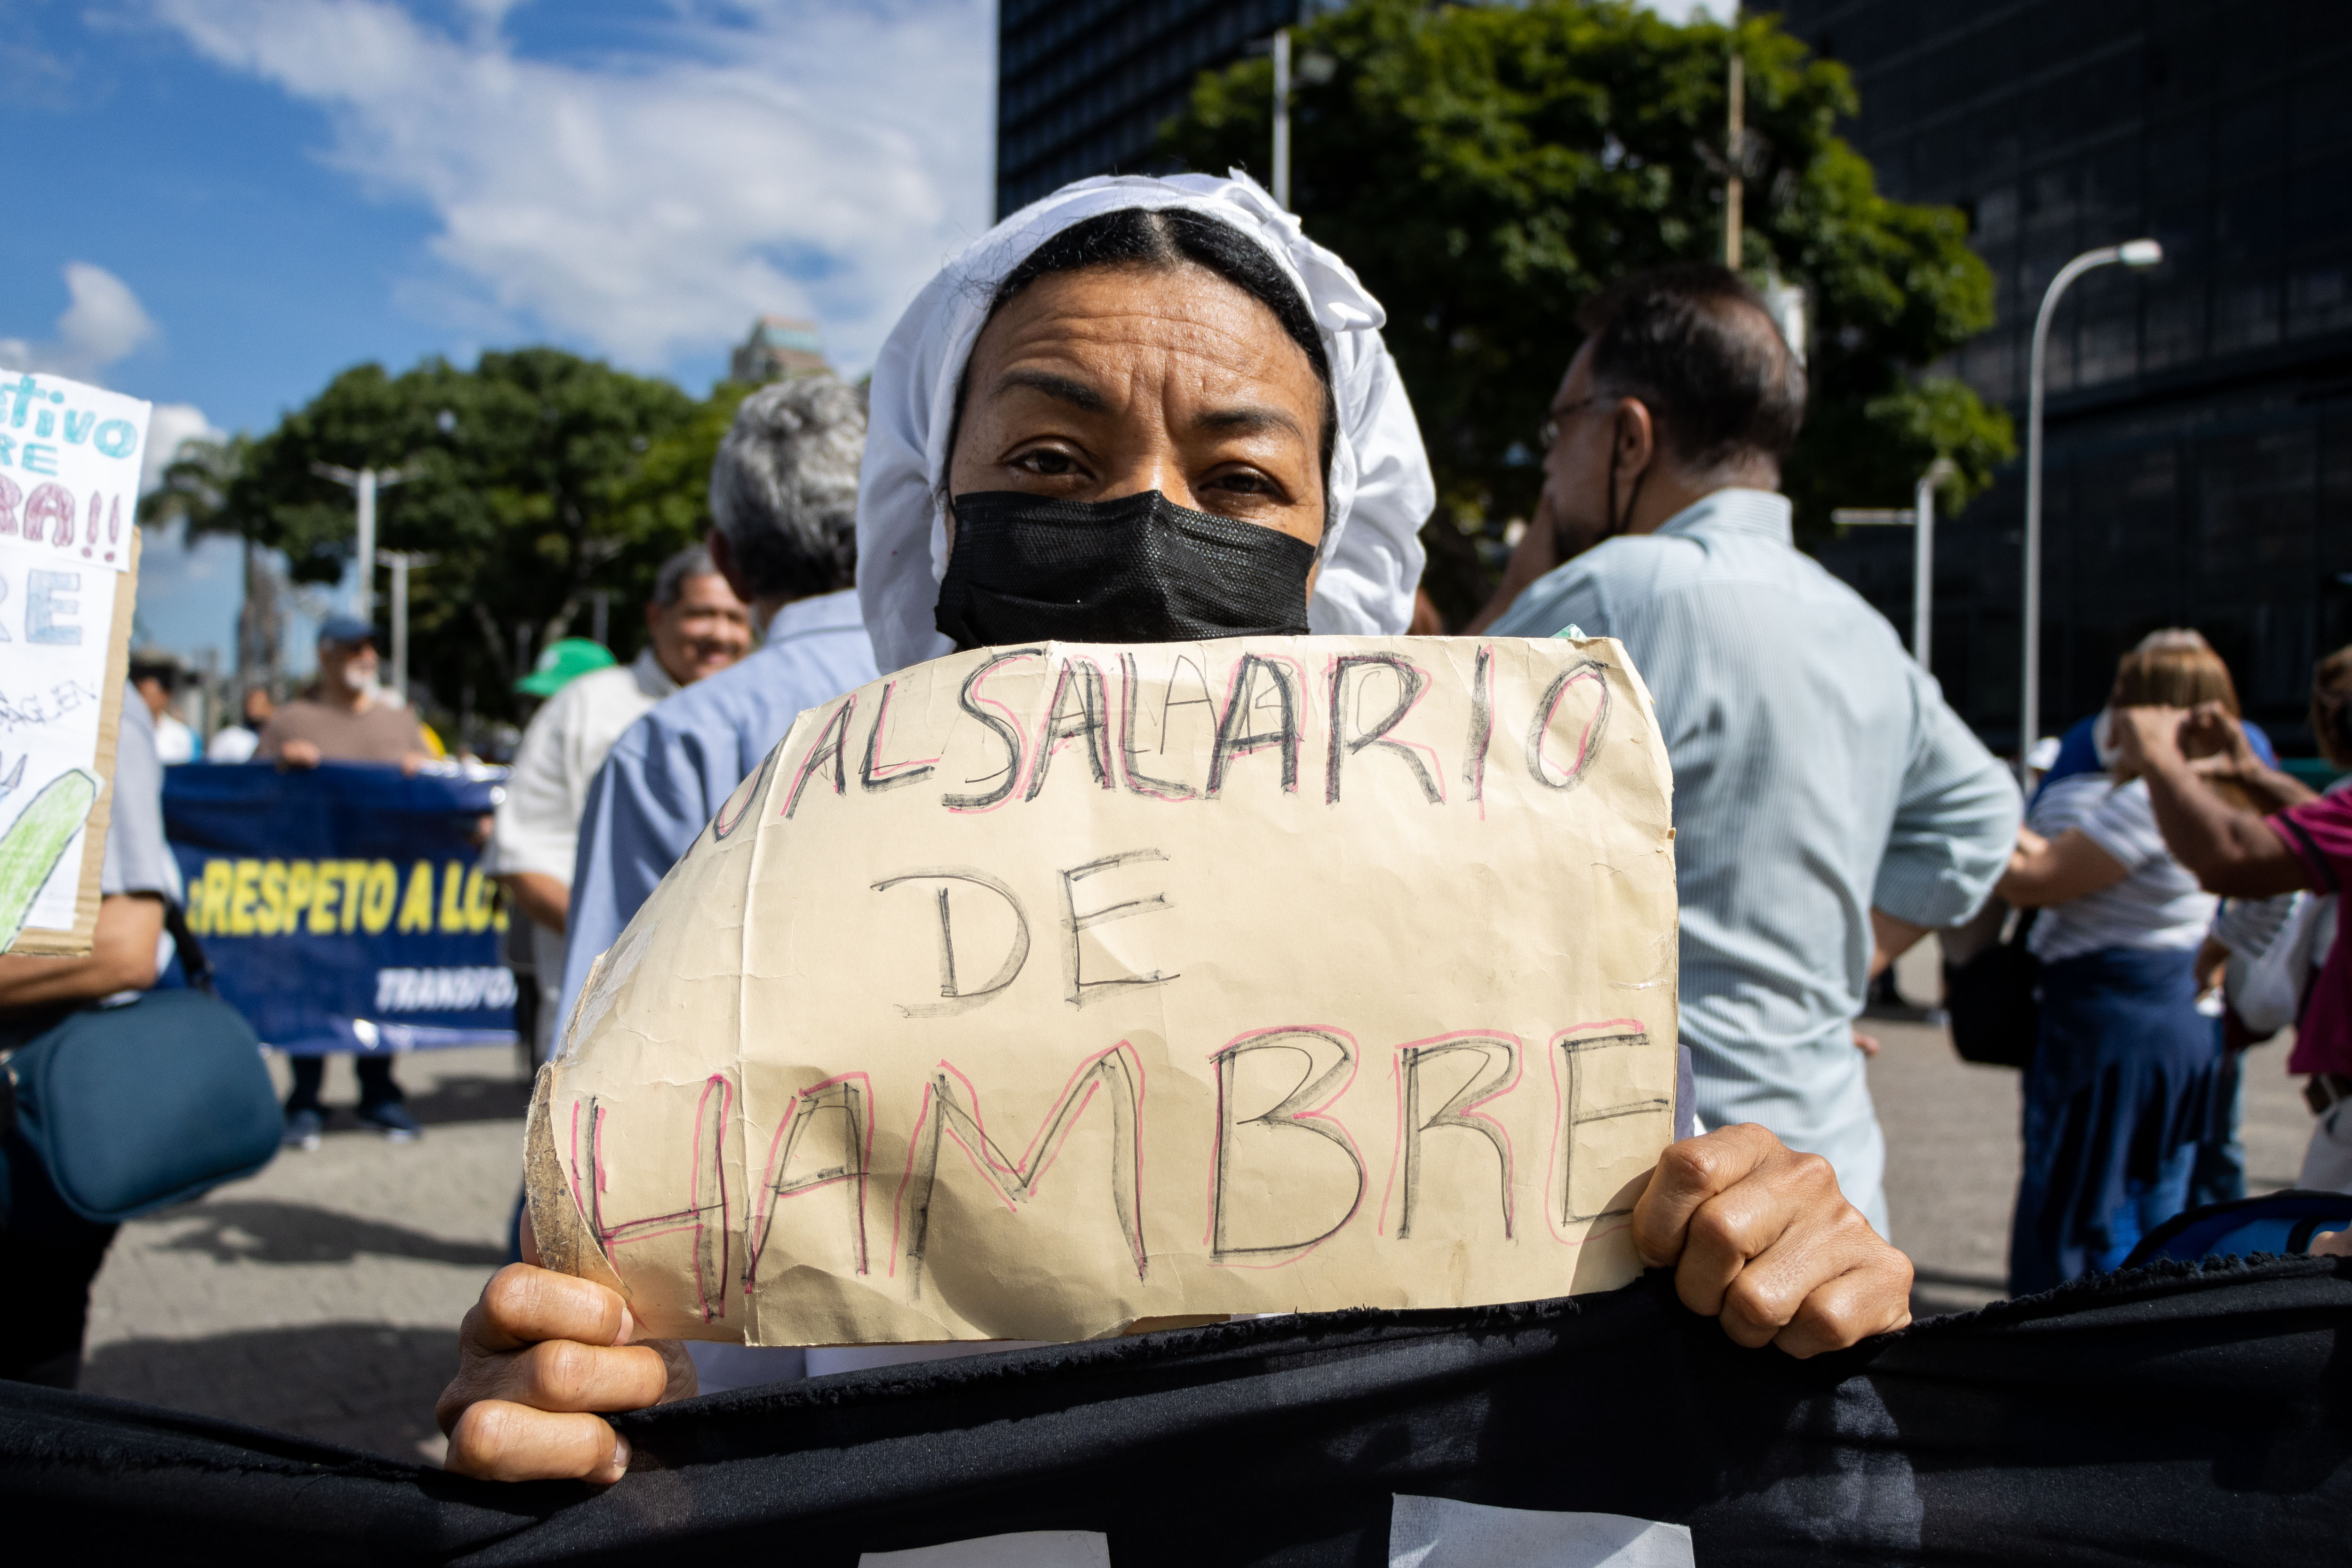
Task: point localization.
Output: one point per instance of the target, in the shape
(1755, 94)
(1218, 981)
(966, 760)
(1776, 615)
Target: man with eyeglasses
(1830, 810)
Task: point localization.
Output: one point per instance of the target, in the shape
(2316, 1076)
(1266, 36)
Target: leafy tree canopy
(532, 478)
(1487, 168)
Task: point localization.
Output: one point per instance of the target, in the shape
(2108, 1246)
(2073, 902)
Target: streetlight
(400, 561)
(363, 483)
(2137, 254)
(1921, 515)
(1282, 117)
(1315, 69)
(600, 616)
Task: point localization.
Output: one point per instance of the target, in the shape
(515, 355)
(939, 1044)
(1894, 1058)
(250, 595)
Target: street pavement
(323, 1296)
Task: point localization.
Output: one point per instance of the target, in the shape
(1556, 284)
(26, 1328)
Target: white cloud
(102, 324)
(813, 156)
(170, 426)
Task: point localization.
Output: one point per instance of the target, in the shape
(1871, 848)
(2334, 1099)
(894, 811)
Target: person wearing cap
(696, 627)
(155, 675)
(344, 718)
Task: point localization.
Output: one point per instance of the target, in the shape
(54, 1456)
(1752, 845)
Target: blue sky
(235, 199)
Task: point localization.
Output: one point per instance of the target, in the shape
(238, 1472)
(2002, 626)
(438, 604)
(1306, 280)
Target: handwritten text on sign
(1030, 993)
(69, 467)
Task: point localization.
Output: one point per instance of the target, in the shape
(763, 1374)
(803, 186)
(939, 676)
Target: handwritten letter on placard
(69, 467)
(1035, 992)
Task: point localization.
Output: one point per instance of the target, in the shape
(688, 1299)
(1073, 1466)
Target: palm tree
(194, 491)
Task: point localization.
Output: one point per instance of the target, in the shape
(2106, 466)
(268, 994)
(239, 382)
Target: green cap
(562, 663)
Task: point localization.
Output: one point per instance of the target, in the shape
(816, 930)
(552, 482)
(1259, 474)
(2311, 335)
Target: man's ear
(1636, 436)
(722, 555)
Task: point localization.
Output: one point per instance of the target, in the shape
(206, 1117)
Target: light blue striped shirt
(1817, 773)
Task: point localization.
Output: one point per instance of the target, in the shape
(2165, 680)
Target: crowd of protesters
(1180, 344)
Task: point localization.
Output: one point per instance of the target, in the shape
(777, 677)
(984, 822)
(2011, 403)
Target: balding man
(1829, 808)
(695, 626)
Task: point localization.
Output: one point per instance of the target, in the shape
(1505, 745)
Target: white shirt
(234, 745)
(538, 825)
(175, 742)
(2158, 904)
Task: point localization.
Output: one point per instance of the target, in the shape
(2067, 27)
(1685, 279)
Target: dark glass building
(1083, 86)
(2199, 467)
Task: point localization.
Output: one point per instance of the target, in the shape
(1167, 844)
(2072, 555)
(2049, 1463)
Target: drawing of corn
(36, 841)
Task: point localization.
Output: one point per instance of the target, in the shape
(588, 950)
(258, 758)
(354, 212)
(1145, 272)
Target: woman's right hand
(540, 1355)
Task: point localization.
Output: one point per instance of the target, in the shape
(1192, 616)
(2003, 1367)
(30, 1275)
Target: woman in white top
(2126, 1080)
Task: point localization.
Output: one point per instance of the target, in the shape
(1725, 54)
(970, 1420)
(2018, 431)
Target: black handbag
(1989, 994)
(134, 1108)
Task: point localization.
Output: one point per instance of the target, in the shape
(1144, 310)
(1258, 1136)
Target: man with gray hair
(784, 502)
(695, 628)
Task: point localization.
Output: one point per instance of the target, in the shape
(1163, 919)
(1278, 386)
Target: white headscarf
(1380, 488)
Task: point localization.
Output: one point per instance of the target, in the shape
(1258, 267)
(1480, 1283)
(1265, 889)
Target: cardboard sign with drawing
(1038, 993)
(69, 466)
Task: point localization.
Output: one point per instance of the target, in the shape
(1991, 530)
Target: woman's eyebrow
(1249, 420)
(1061, 388)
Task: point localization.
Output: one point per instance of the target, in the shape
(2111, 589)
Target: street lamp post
(2137, 253)
(1921, 517)
(362, 483)
(400, 561)
(1923, 565)
(1282, 117)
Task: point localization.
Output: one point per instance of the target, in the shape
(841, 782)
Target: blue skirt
(2125, 1083)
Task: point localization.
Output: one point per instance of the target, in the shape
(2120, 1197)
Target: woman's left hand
(1760, 1237)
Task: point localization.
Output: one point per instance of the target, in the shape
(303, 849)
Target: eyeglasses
(1548, 433)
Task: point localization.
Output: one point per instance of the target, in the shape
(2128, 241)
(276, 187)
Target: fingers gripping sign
(541, 1357)
(1758, 1236)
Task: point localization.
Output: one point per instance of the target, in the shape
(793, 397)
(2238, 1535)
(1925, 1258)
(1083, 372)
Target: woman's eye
(1244, 481)
(1046, 461)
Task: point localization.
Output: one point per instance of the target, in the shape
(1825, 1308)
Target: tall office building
(2198, 465)
(1083, 86)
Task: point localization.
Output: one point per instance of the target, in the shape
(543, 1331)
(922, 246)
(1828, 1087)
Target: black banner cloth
(2177, 1413)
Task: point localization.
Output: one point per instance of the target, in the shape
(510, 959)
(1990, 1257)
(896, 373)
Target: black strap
(2311, 853)
(193, 965)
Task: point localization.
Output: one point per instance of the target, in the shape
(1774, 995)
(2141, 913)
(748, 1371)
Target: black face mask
(1137, 569)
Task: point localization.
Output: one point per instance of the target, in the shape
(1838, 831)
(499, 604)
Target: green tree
(1485, 169)
(532, 477)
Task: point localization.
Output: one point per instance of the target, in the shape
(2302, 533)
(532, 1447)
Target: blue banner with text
(343, 907)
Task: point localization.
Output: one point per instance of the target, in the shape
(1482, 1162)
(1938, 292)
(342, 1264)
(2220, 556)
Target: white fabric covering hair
(1380, 487)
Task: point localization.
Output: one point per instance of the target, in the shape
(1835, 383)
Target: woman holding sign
(1143, 411)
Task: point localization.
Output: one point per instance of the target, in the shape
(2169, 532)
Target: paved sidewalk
(323, 1296)
(1952, 1156)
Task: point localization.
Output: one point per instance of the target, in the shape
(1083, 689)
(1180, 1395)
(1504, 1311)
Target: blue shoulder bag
(135, 1108)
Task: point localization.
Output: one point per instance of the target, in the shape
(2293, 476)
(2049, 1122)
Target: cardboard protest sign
(69, 464)
(1036, 992)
